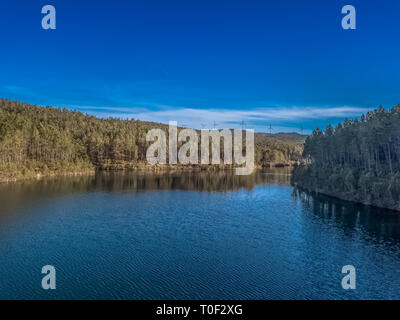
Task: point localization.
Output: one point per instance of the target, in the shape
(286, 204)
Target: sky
(287, 64)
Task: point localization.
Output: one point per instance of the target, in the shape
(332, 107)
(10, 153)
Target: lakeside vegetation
(358, 160)
(37, 141)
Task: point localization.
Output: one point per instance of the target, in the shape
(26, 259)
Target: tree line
(358, 160)
(40, 140)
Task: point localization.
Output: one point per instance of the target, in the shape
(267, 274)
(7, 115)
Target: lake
(191, 235)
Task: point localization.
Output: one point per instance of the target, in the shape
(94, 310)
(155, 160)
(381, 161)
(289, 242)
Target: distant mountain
(294, 136)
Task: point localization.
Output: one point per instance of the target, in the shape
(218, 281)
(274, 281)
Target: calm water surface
(191, 236)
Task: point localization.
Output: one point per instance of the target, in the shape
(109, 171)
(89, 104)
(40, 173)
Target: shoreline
(18, 177)
(41, 175)
(344, 197)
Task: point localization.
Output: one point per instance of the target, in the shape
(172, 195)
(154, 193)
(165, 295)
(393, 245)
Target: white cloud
(229, 118)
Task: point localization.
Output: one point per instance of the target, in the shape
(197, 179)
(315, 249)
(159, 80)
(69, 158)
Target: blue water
(191, 236)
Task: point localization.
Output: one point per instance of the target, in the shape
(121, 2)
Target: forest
(358, 160)
(37, 141)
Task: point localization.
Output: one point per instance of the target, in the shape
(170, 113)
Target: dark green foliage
(358, 160)
(42, 140)
(270, 150)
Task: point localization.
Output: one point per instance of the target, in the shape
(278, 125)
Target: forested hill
(358, 160)
(44, 140)
(291, 136)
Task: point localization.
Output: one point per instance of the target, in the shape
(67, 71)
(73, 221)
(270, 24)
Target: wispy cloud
(15, 89)
(16, 92)
(123, 105)
(283, 118)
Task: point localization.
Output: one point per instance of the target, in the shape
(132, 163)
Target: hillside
(291, 136)
(37, 141)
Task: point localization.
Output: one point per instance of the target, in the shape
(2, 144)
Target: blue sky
(285, 63)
